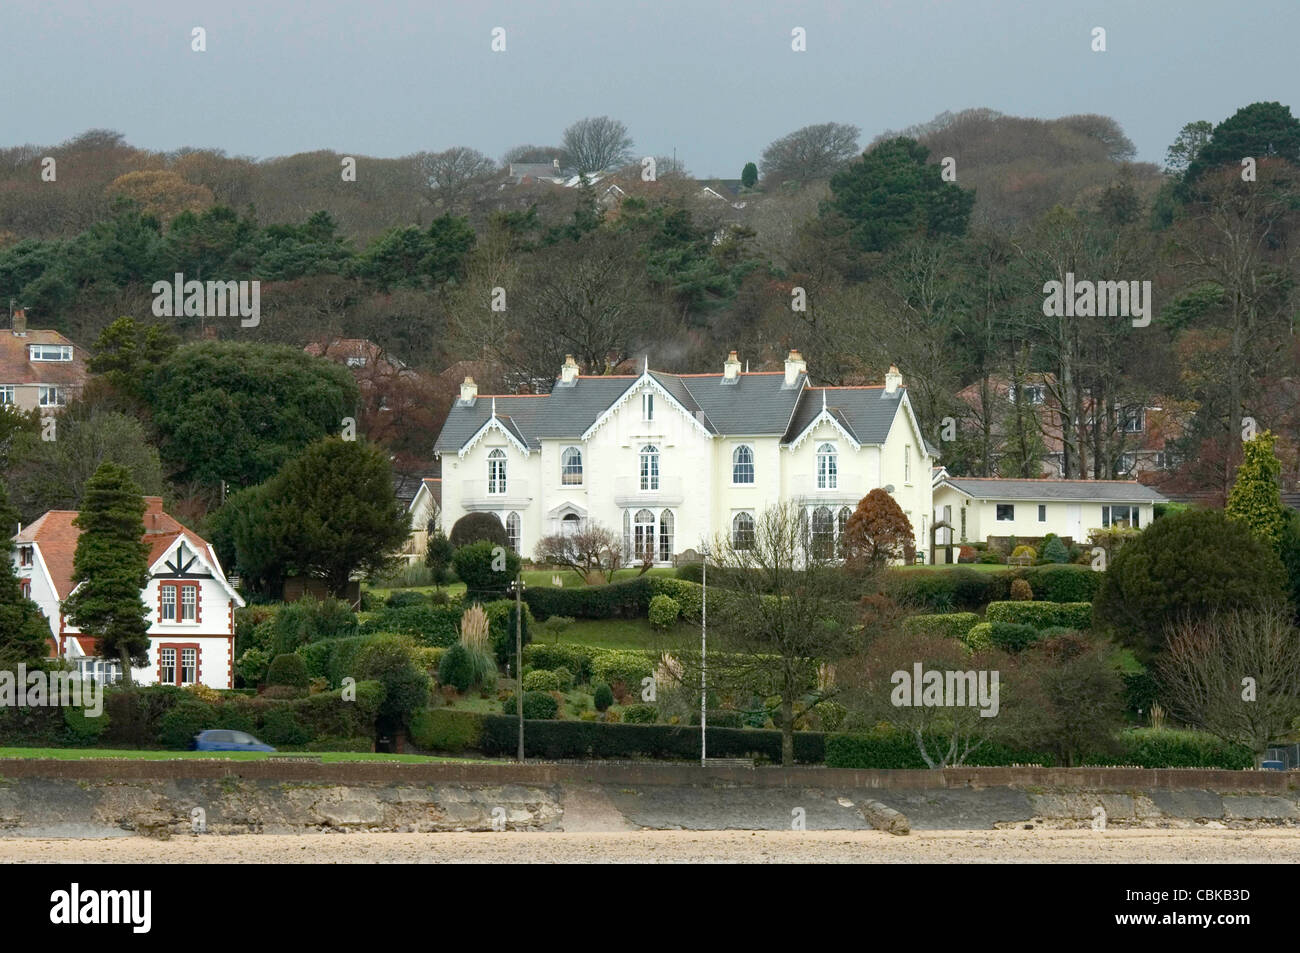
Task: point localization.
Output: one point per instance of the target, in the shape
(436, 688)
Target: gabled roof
(750, 404)
(1092, 491)
(16, 368)
(56, 536)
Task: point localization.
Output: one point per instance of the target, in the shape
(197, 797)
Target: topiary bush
(575, 658)
(602, 697)
(1072, 615)
(456, 668)
(475, 528)
(542, 680)
(288, 669)
(487, 569)
(1012, 636)
(1020, 591)
(664, 612)
(441, 729)
(951, 625)
(1063, 583)
(537, 705)
(689, 596)
(1054, 550)
(625, 668)
(979, 637)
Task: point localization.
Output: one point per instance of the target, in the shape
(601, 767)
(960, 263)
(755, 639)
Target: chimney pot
(468, 391)
(731, 368)
(794, 366)
(893, 380)
(20, 321)
(569, 370)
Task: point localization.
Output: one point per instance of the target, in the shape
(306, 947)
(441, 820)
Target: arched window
(570, 525)
(742, 465)
(643, 535)
(827, 467)
(666, 536)
(513, 529)
(823, 533)
(497, 471)
(841, 524)
(649, 467)
(742, 531)
(627, 536)
(571, 467)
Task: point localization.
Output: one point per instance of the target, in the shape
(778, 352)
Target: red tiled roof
(15, 368)
(57, 539)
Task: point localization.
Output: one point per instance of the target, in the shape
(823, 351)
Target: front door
(1074, 521)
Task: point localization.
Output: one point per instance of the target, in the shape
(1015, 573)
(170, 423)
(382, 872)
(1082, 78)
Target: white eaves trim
(644, 380)
(492, 423)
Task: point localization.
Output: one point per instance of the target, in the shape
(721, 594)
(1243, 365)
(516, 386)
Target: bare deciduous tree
(597, 143)
(447, 176)
(592, 551)
(1204, 674)
(813, 152)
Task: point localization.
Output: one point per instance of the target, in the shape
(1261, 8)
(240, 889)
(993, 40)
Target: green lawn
(533, 578)
(622, 634)
(81, 754)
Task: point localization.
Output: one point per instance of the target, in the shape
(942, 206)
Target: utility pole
(519, 658)
(704, 647)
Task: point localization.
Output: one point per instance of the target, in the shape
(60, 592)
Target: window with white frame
(742, 531)
(823, 533)
(649, 467)
(742, 465)
(1042, 512)
(167, 604)
(1034, 393)
(648, 405)
(167, 666)
(7, 395)
(49, 352)
(514, 529)
(1120, 517)
(666, 536)
(189, 603)
(643, 535)
(497, 471)
(571, 467)
(1132, 419)
(189, 666)
(51, 396)
(827, 467)
(907, 463)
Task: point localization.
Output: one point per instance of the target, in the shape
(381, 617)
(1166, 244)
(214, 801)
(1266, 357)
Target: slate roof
(756, 404)
(1098, 491)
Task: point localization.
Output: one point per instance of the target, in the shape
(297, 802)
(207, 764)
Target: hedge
(441, 729)
(622, 666)
(593, 739)
(1041, 615)
(335, 659)
(688, 595)
(1064, 583)
(969, 590)
(628, 599)
(576, 658)
(427, 623)
(891, 748)
(952, 625)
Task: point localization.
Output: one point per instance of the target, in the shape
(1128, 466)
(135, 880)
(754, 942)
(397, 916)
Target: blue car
(222, 739)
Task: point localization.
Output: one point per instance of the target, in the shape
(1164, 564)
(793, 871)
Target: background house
(191, 603)
(39, 370)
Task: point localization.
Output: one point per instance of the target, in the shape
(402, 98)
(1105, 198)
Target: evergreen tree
(111, 568)
(749, 175)
(23, 629)
(1255, 500)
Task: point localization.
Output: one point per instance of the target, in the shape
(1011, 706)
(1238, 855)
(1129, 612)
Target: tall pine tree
(111, 567)
(23, 628)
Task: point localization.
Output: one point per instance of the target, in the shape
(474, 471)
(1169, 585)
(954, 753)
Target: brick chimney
(731, 369)
(893, 380)
(153, 514)
(20, 322)
(794, 366)
(569, 371)
(468, 391)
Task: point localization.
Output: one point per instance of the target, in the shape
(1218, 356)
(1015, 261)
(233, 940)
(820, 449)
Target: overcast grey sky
(716, 80)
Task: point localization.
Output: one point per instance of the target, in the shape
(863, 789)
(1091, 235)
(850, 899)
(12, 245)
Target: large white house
(670, 460)
(191, 604)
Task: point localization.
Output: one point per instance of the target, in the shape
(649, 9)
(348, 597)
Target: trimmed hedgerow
(1012, 636)
(628, 599)
(1163, 748)
(441, 729)
(640, 714)
(538, 705)
(427, 623)
(952, 625)
(1071, 615)
(1064, 583)
(542, 680)
(689, 596)
(576, 658)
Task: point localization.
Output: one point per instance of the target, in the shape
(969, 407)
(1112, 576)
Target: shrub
(626, 599)
(1071, 615)
(339, 743)
(456, 668)
(640, 714)
(288, 670)
(1063, 583)
(991, 559)
(475, 528)
(501, 628)
(953, 625)
(576, 658)
(282, 727)
(1185, 565)
(186, 719)
(387, 660)
(947, 590)
(1012, 636)
(721, 718)
(565, 677)
(438, 558)
(477, 565)
(602, 697)
(1020, 591)
(252, 665)
(689, 596)
(403, 598)
(980, 636)
(625, 667)
(335, 659)
(440, 729)
(435, 625)
(888, 748)
(664, 612)
(1163, 748)
(84, 730)
(691, 572)
(537, 705)
(1054, 550)
(309, 620)
(1023, 551)
(966, 554)
(541, 680)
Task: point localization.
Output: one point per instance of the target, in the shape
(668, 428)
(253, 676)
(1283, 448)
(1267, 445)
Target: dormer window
(648, 405)
(1034, 393)
(357, 361)
(49, 352)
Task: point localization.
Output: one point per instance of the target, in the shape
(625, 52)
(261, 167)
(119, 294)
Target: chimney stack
(20, 322)
(794, 366)
(731, 369)
(153, 512)
(569, 371)
(468, 391)
(893, 380)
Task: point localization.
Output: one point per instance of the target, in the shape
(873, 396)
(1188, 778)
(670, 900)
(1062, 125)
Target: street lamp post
(704, 650)
(518, 587)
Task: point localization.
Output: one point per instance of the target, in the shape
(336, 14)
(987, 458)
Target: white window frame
(649, 468)
(907, 464)
(738, 466)
(188, 604)
(1042, 512)
(496, 482)
(736, 537)
(165, 604)
(1133, 515)
(38, 353)
(828, 467)
(8, 394)
(189, 666)
(666, 536)
(570, 469)
(647, 405)
(643, 531)
(167, 669)
(515, 533)
(51, 395)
